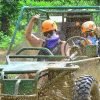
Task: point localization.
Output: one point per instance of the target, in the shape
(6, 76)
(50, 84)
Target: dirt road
(2, 56)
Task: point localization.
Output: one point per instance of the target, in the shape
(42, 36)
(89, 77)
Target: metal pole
(16, 28)
(60, 7)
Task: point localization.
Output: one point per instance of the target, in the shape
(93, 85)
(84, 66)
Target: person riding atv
(89, 32)
(52, 39)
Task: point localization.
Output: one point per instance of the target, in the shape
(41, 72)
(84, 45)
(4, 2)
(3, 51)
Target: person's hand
(37, 16)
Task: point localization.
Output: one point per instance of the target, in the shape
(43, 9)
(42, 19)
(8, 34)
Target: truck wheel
(86, 88)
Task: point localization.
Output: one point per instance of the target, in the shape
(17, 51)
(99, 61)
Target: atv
(25, 78)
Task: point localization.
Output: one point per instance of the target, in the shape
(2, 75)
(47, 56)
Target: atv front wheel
(86, 88)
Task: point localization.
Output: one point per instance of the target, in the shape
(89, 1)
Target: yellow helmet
(48, 25)
(88, 26)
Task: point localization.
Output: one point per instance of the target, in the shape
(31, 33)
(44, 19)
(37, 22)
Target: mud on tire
(86, 88)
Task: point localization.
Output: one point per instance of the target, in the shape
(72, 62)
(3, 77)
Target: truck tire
(86, 88)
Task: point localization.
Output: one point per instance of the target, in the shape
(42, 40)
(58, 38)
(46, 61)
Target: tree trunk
(4, 24)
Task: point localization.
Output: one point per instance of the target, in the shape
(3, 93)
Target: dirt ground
(2, 56)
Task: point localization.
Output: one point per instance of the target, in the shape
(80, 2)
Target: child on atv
(89, 34)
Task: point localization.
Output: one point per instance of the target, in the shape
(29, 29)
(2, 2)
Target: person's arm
(63, 48)
(33, 40)
(98, 32)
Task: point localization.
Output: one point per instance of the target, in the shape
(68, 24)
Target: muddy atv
(50, 80)
(25, 78)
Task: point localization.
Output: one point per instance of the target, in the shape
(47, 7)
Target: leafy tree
(9, 10)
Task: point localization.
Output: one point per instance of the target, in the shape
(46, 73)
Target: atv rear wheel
(86, 88)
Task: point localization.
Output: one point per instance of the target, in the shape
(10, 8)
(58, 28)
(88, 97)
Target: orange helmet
(88, 26)
(48, 25)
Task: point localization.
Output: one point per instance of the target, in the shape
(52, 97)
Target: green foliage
(11, 9)
(4, 40)
(8, 12)
(57, 3)
(19, 38)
